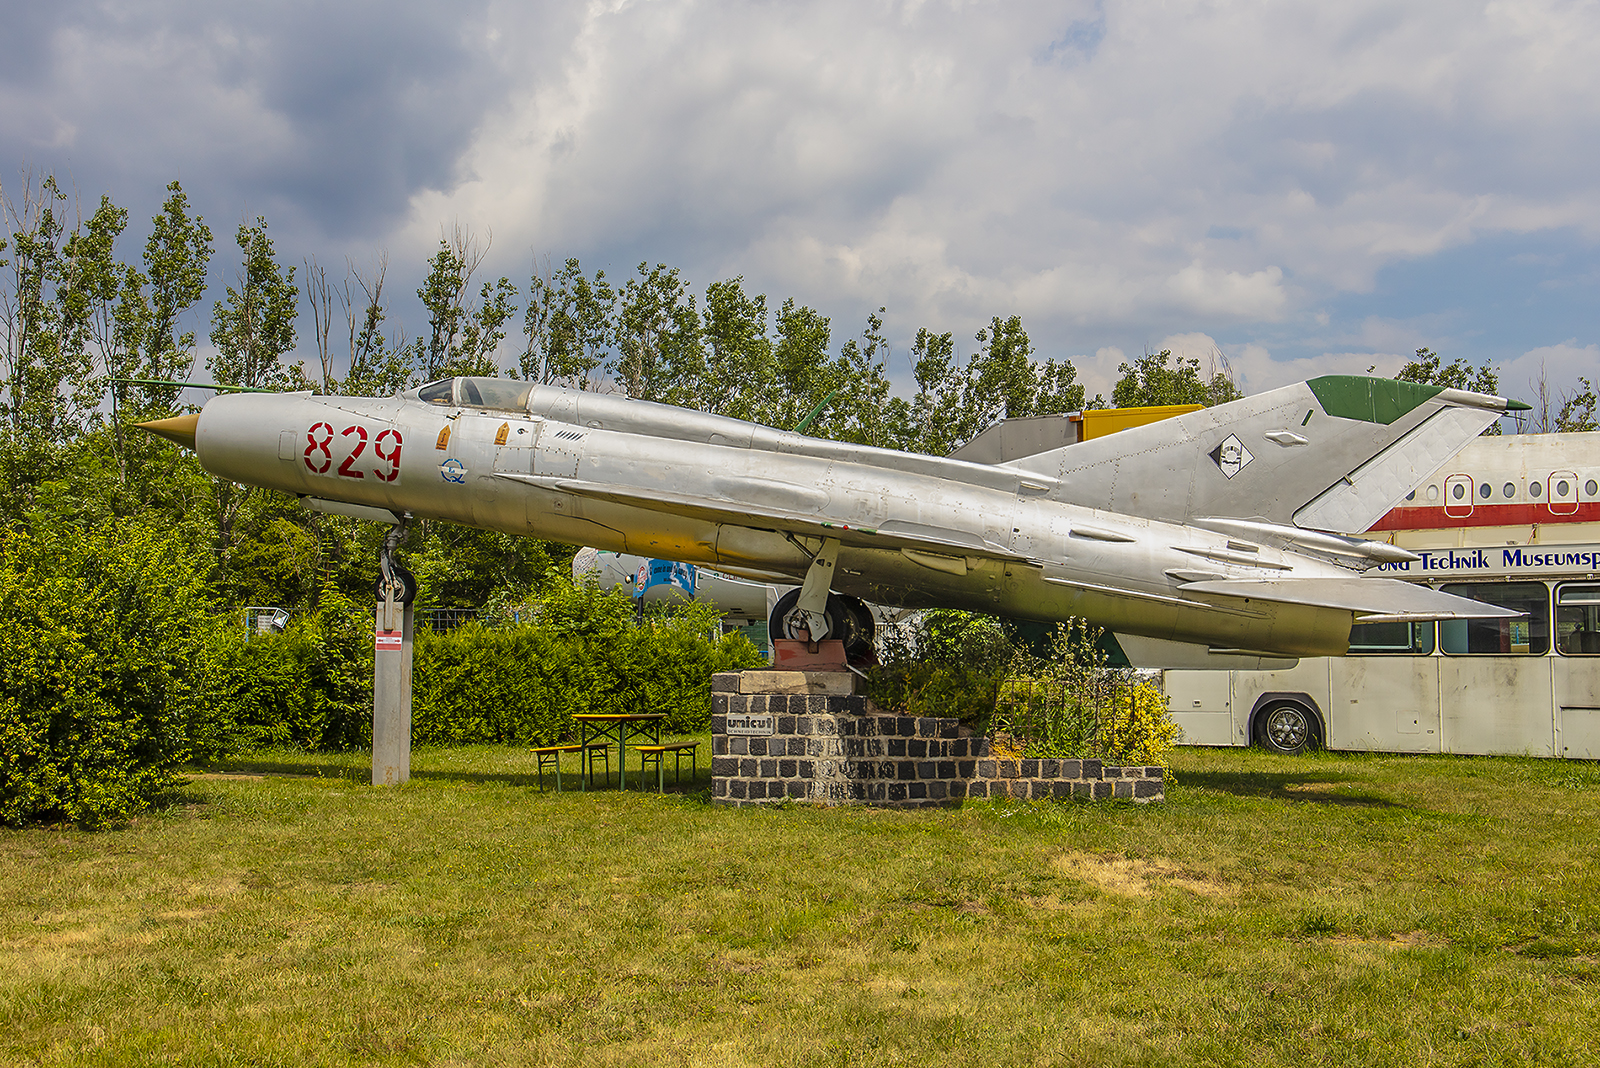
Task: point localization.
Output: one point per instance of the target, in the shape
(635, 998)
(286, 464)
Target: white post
(391, 694)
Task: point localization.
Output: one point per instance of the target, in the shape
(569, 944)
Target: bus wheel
(1286, 728)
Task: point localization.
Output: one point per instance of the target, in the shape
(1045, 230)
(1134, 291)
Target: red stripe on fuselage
(1410, 517)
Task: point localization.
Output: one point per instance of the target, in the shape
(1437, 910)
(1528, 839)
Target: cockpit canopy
(499, 394)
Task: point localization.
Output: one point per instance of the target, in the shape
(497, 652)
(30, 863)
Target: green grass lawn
(1332, 909)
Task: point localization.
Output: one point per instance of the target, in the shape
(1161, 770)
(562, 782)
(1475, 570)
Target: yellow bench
(653, 754)
(550, 756)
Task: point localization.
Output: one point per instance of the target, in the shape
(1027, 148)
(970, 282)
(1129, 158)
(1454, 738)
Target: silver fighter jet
(1203, 540)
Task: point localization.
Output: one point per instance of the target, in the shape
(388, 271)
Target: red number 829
(319, 458)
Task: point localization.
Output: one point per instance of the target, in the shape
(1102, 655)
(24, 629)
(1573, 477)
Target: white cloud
(1556, 366)
(956, 160)
(1230, 294)
(1111, 171)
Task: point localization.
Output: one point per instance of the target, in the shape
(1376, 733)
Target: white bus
(1513, 521)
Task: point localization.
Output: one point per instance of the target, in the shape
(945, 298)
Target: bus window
(1415, 639)
(1578, 620)
(1503, 637)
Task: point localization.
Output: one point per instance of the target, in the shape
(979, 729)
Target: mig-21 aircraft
(1208, 539)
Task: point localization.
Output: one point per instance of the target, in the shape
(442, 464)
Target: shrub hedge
(116, 667)
(1068, 703)
(104, 671)
(583, 652)
(310, 686)
(579, 650)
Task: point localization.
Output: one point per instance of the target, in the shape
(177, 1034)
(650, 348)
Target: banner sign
(664, 573)
(1508, 560)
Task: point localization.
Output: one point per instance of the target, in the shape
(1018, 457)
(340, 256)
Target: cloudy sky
(1304, 187)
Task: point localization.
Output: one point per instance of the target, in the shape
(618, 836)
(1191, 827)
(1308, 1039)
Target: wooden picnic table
(620, 727)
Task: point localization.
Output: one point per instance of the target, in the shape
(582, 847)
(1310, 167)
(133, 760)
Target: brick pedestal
(830, 746)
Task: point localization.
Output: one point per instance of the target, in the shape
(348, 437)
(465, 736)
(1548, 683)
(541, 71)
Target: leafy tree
(804, 373)
(657, 335)
(938, 411)
(45, 309)
(252, 332)
(1429, 368)
(1578, 410)
(113, 311)
(1150, 381)
(32, 238)
(864, 411)
(463, 567)
(569, 327)
(740, 370)
(1002, 378)
(444, 293)
(254, 329)
(535, 362)
(175, 260)
(1060, 391)
(463, 337)
(483, 331)
(58, 322)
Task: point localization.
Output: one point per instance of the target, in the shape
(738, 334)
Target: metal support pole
(391, 681)
(813, 600)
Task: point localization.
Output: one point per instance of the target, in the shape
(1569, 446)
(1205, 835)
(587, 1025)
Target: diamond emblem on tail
(1231, 456)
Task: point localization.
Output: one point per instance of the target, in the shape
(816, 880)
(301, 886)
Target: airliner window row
(1561, 486)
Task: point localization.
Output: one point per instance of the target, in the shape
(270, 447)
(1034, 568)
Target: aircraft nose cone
(179, 428)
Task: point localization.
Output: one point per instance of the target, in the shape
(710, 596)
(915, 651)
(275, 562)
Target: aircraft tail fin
(1331, 454)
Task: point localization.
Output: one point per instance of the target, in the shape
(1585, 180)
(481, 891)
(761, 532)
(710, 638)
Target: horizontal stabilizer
(1160, 653)
(1364, 596)
(894, 535)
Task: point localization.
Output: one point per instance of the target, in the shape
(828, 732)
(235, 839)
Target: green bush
(952, 664)
(1073, 703)
(578, 650)
(1069, 702)
(582, 651)
(310, 686)
(104, 667)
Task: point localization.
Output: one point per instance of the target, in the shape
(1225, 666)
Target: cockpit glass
(441, 392)
(500, 394)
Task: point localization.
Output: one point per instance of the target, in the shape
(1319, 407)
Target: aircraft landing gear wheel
(1286, 728)
(787, 622)
(860, 628)
(403, 579)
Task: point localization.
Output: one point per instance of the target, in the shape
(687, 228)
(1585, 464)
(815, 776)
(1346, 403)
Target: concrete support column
(391, 695)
